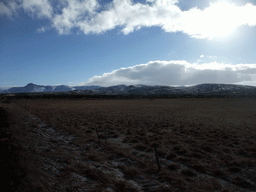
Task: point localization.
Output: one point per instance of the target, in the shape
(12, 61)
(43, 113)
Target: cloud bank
(91, 17)
(178, 73)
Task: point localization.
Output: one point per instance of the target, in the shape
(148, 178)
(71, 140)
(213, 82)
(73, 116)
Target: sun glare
(222, 19)
(219, 20)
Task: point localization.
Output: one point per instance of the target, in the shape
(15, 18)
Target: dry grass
(203, 144)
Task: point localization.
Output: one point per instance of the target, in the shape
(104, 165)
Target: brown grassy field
(202, 144)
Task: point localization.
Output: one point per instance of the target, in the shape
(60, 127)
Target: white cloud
(75, 14)
(41, 30)
(89, 16)
(8, 9)
(201, 56)
(39, 8)
(4, 10)
(177, 73)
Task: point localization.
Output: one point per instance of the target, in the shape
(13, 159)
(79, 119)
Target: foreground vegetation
(203, 144)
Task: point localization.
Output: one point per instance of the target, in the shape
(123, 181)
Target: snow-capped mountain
(144, 90)
(62, 88)
(85, 87)
(32, 88)
(197, 90)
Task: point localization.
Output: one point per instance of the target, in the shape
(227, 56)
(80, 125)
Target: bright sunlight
(219, 20)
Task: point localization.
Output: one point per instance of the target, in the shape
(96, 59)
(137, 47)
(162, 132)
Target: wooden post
(98, 134)
(157, 160)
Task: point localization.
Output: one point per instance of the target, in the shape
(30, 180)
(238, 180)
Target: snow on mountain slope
(214, 89)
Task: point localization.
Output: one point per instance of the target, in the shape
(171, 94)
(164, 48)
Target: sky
(111, 42)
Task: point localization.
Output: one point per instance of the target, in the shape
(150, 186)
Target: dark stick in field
(157, 160)
(98, 134)
(105, 134)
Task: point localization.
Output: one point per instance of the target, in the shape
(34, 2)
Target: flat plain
(203, 144)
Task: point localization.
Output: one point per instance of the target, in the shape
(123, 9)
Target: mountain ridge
(145, 90)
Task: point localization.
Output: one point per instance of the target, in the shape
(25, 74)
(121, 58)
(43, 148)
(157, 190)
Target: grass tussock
(188, 173)
(173, 166)
(57, 139)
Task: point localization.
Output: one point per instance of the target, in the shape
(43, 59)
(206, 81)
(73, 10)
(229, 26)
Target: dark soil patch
(11, 173)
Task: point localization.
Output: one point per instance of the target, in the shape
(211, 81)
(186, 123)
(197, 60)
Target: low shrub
(140, 147)
(242, 182)
(171, 156)
(199, 168)
(234, 169)
(173, 166)
(131, 172)
(188, 173)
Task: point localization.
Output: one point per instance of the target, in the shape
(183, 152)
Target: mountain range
(144, 90)
(33, 88)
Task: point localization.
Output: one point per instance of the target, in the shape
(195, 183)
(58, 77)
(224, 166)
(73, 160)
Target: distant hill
(143, 90)
(85, 87)
(33, 88)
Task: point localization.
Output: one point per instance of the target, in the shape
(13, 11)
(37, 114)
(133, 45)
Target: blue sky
(98, 42)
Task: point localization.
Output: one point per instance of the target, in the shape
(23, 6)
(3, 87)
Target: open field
(203, 144)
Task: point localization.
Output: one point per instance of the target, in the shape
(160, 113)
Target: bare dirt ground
(203, 144)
